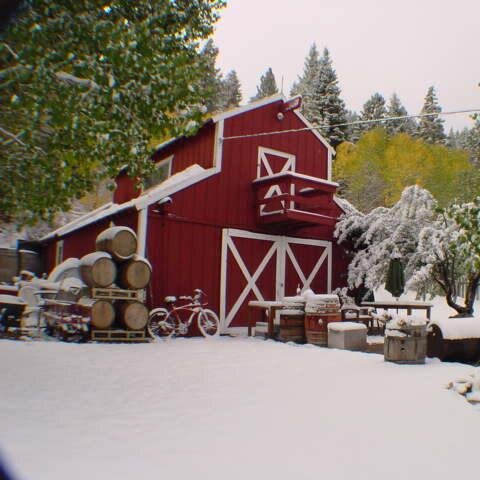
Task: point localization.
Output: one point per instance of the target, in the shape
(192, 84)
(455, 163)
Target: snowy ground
(229, 408)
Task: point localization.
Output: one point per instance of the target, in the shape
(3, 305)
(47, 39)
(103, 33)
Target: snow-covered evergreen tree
(328, 109)
(430, 128)
(472, 142)
(85, 88)
(396, 109)
(373, 109)
(267, 87)
(231, 94)
(353, 132)
(306, 83)
(321, 102)
(212, 82)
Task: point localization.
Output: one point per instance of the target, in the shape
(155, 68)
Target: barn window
(163, 169)
(59, 252)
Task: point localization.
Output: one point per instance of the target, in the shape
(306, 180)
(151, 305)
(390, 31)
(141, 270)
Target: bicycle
(170, 321)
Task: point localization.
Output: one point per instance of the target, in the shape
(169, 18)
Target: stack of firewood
(117, 278)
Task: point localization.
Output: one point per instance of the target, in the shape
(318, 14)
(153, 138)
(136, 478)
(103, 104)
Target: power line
(356, 122)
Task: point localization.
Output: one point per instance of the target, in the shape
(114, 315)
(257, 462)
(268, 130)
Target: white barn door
(267, 267)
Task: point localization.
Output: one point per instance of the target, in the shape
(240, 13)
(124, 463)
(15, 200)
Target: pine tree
(396, 109)
(76, 111)
(328, 108)
(267, 87)
(211, 82)
(373, 109)
(231, 95)
(353, 132)
(473, 142)
(321, 102)
(305, 85)
(452, 138)
(430, 128)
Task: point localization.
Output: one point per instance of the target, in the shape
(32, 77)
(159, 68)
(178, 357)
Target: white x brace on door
(264, 277)
(269, 163)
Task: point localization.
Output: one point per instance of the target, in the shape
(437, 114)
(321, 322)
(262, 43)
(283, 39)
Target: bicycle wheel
(208, 323)
(161, 323)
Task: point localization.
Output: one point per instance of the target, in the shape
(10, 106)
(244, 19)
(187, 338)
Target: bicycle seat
(170, 299)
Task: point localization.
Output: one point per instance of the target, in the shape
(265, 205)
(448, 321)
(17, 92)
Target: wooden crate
(119, 336)
(118, 294)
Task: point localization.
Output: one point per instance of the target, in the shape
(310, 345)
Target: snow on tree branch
(73, 80)
(13, 137)
(438, 249)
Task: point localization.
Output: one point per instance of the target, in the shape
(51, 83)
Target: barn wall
(79, 243)
(188, 151)
(184, 256)
(126, 189)
(311, 154)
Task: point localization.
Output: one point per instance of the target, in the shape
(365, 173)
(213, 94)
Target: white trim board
(315, 132)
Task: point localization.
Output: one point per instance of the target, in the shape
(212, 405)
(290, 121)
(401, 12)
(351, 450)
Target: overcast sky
(376, 46)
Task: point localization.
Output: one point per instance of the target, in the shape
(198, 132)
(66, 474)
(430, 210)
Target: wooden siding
(184, 256)
(188, 151)
(79, 243)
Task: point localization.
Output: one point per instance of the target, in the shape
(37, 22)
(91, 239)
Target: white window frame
(161, 164)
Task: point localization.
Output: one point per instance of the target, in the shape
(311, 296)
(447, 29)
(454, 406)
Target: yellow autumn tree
(374, 171)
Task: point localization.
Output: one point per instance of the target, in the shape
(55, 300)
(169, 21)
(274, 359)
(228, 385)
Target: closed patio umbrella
(395, 281)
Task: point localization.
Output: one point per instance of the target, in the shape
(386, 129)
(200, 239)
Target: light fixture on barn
(161, 204)
(280, 116)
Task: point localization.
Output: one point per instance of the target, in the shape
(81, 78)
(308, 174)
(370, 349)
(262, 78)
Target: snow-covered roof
(458, 328)
(173, 184)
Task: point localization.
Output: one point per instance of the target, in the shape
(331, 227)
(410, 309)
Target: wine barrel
(98, 269)
(316, 327)
(292, 328)
(119, 242)
(320, 310)
(134, 274)
(101, 312)
(133, 315)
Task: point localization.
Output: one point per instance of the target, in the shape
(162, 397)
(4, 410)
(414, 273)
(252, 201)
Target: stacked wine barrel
(292, 327)
(320, 310)
(116, 277)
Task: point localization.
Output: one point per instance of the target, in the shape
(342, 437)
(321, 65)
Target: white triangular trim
(246, 108)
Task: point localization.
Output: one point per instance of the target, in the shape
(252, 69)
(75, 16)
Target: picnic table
(400, 305)
(270, 307)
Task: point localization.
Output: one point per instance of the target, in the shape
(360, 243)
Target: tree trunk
(471, 290)
(450, 295)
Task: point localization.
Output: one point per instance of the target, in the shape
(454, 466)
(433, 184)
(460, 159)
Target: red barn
(247, 212)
